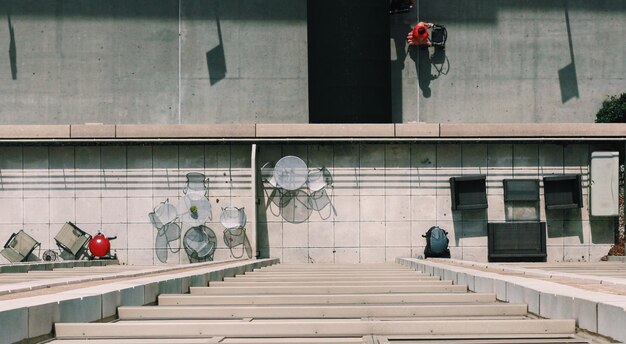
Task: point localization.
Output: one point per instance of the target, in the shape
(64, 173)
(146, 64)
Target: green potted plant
(613, 110)
(194, 211)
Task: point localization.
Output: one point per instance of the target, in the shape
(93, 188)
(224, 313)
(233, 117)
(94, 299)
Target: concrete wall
(165, 61)
(113, 188)
(510, 61)
(245, 61)
(387, 195)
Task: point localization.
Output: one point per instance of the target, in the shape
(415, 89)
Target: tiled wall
(113, 188)
(388, 195)
(385, 196)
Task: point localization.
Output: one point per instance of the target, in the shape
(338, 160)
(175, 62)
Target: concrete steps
(325, 304)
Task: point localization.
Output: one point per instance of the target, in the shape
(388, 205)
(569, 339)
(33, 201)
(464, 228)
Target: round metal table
(290, 173)
(203, 209)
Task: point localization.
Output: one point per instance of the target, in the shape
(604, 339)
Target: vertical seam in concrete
(180, 5)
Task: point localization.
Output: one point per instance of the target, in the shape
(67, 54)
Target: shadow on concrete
(486, 11)
(12, 49)
(568, 82)
(398, 31)
(425, 63)
(564, 223)
(603, 231)
(215, 58)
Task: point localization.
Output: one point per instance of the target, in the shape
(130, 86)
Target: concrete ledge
(34, 131)
(593, 311)
(444, 131)
(34, 317)
(528, 130)
(417, 130)
(324, 130)
(88, 131)
(185, 131)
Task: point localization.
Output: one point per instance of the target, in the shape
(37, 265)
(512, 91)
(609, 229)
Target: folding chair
(19, 246)
(72, 240)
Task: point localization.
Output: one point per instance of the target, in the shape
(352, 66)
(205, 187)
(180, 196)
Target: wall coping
(313, 132)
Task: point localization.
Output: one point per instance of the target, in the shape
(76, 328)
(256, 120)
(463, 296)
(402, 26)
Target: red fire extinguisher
(100, 246)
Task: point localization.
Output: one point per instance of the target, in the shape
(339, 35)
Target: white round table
(203, 209)
(290, 173)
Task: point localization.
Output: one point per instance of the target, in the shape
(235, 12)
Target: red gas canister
(99, 245)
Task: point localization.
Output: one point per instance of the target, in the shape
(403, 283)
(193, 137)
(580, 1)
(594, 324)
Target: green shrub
(613, 110)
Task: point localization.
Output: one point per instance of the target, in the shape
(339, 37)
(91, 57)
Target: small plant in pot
(194, 211)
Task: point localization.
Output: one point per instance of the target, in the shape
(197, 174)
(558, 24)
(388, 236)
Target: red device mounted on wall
(100, 247)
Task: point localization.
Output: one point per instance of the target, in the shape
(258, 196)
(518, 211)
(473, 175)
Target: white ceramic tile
(346, 234)
(555, 254)
(372, 208)
(140, 236)
(372, 234)
(391, 253)
(444, 208)
(372, 255)
(398, 208)
(596, 252)
(371, 181)
(321, 234)
(140, 256)
(495, 211)
(295, 235)
(347, 208)
(114, 210)
(347, 255)
(138, 210)
(62, 210)
(576, 253)
(475, 254)
(36, 210)
(345, 180)
(88, 210)
(398, 234)
(423, 208)
(11, 210)
(295, 256)
(321, 255)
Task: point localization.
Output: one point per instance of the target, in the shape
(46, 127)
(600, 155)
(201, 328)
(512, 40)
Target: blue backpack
(436, 243)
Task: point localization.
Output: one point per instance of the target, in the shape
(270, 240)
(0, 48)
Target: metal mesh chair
(200, 243)
(72, 239)
(233, 217)
(19, 246)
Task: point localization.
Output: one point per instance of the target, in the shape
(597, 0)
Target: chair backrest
(267, 174)
(19, 246)
(233, 217)
(196, 182)
(71, 238)
(200, 243)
